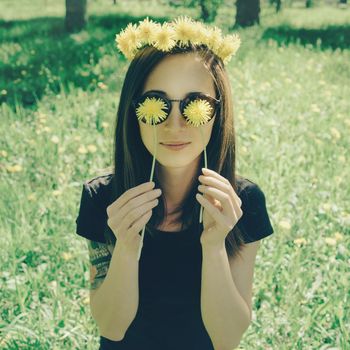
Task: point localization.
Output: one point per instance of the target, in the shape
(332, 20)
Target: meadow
(58, 99)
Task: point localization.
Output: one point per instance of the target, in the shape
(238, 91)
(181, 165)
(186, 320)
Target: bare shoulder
(100, 255)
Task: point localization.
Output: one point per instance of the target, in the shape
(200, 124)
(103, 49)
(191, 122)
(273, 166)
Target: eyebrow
(163, 92)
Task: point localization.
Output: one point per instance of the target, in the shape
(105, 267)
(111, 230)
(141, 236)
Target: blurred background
(60, 82)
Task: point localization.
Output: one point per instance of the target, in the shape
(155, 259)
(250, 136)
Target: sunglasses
(184, 103)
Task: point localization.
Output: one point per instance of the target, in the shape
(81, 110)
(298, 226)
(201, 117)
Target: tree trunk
(247, 13)
(278, 5)
(204, 10)
(308, 3)
(75, 15)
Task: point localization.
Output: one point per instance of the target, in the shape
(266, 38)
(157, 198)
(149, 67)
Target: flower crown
(181, 31)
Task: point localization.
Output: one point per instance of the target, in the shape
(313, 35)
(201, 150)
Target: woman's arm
(114, 290)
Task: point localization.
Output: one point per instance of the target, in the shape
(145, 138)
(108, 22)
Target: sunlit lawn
(60, 95)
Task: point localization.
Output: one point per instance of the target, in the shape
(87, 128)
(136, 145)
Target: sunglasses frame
(169, 104)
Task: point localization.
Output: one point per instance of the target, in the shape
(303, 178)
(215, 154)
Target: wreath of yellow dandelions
(181, 31)
(164, 37)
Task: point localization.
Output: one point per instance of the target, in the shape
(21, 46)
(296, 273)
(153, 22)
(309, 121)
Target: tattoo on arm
(100, 258)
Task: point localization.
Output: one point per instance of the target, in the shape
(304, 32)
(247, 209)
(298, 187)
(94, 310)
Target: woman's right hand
(128, 214)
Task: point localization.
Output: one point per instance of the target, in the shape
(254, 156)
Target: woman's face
(177, 75)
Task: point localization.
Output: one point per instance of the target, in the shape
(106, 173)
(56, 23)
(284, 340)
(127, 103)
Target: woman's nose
(175, 118)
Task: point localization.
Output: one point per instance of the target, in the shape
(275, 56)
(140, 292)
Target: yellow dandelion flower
(300, 241)
(285, 224)
(229, 46)
(315, 108)
(56, 193)
(147, 30)
(55, 139)
(128, 40)
(198, 112)
(335, 133)
(326, 207)
(200, 32)
(3, 153)
(91, 148)
(105, 125)
(342, 159)
(66, 256)
(330, 241)
(214, 39)
(338, 236)
(164, 38)
(14, 168)
(151, 109)
(185, 29)
(244, 150)
(82, 150)
(31, 197)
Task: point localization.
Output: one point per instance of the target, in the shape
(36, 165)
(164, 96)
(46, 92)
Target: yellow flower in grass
(151, 109)
(330, 241)
(14, 168)
(164, 37)
(300, 241)
(198, 112)
(285, 224)
(335, 133)
(67, 256)
(91, 148)
(338, 236)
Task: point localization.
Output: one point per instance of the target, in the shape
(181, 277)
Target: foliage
(290, 84)
(209, 9)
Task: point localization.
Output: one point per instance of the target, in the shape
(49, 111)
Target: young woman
(192, 287)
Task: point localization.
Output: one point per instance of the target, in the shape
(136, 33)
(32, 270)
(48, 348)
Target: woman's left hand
(222, 207)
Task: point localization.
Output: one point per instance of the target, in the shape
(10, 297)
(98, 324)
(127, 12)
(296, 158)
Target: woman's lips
(175, 147)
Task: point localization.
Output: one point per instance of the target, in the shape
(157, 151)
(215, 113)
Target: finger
(213, 212)
(220, 182)
(128, 195)
(217, 195)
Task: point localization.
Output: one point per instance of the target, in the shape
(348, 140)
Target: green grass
(291, 86)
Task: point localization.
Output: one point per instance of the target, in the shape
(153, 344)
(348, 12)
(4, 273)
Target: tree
(308, 3)
(277, 3)
(247, 12)
(75, 15)
(209, 9)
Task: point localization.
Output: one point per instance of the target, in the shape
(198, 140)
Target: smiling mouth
(175, 144)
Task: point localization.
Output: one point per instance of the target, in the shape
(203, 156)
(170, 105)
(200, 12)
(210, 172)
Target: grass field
(59, 94)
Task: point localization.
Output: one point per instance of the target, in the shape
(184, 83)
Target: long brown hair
(132, 161)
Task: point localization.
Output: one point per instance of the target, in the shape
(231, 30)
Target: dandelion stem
(206, 166)
(151, 179)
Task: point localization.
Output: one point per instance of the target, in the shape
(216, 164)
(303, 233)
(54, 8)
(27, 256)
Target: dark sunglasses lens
(152, 96)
